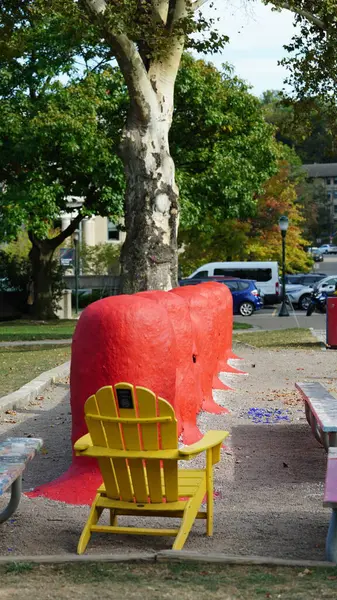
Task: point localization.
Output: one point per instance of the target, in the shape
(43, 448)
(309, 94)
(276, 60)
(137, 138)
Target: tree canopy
(258, 237)
(222, 147)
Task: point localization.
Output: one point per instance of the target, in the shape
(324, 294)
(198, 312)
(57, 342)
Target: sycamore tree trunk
(149, 254)
(149, 66)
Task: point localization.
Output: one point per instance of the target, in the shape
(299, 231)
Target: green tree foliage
(308, 125)
(223, 149)
(257, 238)
(54, 141)
(312, 58)
(102, 259)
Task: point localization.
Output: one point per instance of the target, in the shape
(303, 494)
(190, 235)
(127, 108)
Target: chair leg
(210, 499)
(94, 515)
(113, 518)
(190, 513)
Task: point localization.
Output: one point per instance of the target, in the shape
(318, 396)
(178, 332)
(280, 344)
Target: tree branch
(56, 241)
(198, 3)
(161, 8)
(303, 13)
(130, 62)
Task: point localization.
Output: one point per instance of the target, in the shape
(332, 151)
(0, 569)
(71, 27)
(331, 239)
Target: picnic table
(14, 456)
(321, 413)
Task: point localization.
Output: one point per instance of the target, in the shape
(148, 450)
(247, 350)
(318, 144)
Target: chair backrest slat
(107, 406)
(135, 419)
(147, 407)
(99, 438)
(169, 440)
(132, 440)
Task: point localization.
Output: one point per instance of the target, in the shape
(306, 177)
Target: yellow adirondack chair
(133, 435)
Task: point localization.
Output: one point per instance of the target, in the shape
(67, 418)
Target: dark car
(308, 279)
(246, 296)
(317, 256)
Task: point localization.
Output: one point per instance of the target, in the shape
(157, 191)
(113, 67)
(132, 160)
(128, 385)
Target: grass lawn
(20, 364)
(301, 339)
(12, 331)
(156, 581)
(23, 331)
(241, 326)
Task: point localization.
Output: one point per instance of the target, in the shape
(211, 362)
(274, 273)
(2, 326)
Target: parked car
(327, 285)
(317, 255)
(246, 296)
(328, 249)
(299, 295)
(308, 279)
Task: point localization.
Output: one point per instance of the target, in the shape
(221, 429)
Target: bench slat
(14, 455)
(322, 404)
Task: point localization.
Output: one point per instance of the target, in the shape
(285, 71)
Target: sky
(257, 35)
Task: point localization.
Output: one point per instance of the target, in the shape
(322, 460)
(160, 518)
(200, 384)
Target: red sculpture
(171, 342)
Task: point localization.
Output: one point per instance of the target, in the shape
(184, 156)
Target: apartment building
(327, 174)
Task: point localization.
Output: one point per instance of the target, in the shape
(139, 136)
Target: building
(327, 174)
(94, 230)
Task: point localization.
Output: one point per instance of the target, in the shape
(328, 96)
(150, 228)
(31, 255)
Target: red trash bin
(331, 322)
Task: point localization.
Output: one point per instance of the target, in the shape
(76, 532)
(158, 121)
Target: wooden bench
(321, 412)
(330, 501)
(14, 455)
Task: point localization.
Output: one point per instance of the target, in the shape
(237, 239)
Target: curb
(30, 390)
(227, 559)
(14, 343)
(166, 556)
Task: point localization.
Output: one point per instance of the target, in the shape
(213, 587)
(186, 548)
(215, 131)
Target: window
(246, 273)
(335, 194)
(200, 275)
(328, 181)
(335, 180)
(335, 208)
(329, 195)
(113, 233)
(243, 285)
(232, 285)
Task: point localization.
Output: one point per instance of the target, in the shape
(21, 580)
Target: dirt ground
(269, 483)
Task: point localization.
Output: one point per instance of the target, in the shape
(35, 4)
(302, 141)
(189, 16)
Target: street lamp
(283, 224)
(76, 237)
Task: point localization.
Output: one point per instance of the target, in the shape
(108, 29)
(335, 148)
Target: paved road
(328, 266)
(268, 319)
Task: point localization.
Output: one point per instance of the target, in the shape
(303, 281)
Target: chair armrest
(83, 443)
(210, 440)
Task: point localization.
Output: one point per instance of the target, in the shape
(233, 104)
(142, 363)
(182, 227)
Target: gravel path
(269, 484)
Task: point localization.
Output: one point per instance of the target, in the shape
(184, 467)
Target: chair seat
(189, 481)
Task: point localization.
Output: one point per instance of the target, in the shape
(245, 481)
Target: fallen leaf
(10, 412)
(304, 573)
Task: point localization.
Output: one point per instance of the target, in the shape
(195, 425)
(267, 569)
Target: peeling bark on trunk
(149, 254)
